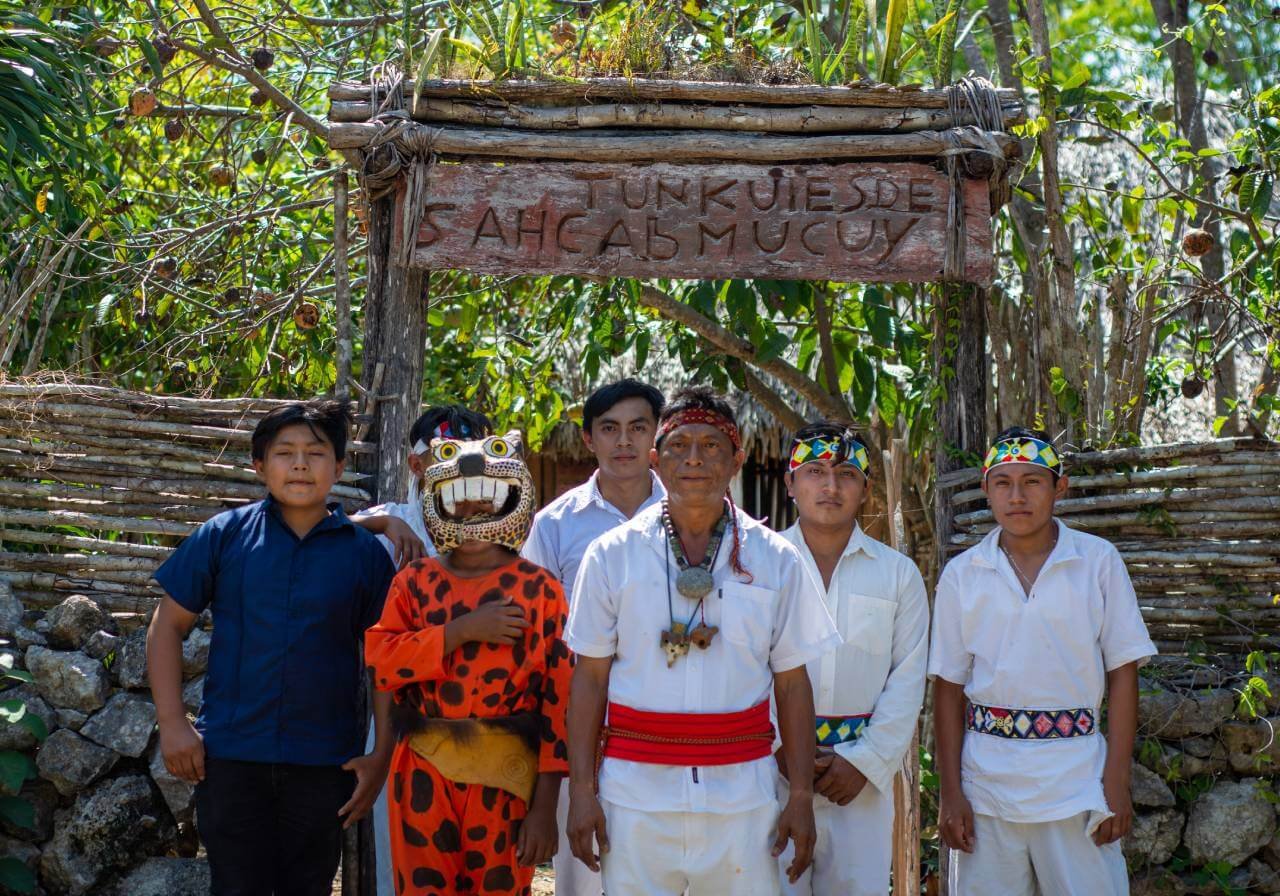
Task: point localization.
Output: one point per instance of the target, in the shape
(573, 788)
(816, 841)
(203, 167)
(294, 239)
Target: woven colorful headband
(843, 450)
(700, 415)
(1023, 450)
(443, 431)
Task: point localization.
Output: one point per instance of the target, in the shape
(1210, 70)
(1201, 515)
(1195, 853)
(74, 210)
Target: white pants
(854, 851)
(698, 853)
(572, 877)
(381, 834)
(1053, 858)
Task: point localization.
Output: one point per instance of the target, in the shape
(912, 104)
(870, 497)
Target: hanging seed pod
(262, 58)
(258, 97)
(164, 268)
(232, 295)
(1197, 243)
(263, 297)
(119, 122)
(306, 316)
(1192, 386)
(106, 47)
(222, 175)
(259, 156)
(165, 51)
(142, 102)
(1210, 57)
(322, 163)
(173, 130)
(563, 33)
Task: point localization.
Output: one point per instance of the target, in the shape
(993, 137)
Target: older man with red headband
(684, 620)
(1031, 627)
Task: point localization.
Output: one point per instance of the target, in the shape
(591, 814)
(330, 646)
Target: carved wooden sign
(859, 221)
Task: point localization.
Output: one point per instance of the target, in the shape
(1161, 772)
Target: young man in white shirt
(868, 691)
(1030, 627)
(683, 621)
(619, 422)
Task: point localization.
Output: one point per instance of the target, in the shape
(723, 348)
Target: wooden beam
(771, 119)
(663, 146)
(857, 221)
(604, 89)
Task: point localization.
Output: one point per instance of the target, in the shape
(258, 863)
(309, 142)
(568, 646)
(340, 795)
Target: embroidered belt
(832, 730)
(675, 738)
(1029, 724)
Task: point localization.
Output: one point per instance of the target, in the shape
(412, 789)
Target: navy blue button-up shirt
(289, 616)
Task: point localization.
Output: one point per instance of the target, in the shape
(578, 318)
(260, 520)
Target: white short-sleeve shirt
(775, 623)
(564, 529)
(1049, 650)
(877, 599)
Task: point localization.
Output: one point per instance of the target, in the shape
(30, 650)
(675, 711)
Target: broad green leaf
(16, 876)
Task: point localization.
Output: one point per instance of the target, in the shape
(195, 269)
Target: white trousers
(854, 851)
(572, 877)
(381, 834)
(1050, 858)
(696, 853)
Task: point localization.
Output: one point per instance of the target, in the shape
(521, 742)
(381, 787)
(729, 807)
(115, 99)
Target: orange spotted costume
(449, 837)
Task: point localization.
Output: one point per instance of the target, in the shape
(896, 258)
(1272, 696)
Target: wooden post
(906, 792)
(342, 287)
(959, 360)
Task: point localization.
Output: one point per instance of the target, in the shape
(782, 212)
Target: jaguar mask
(492, 470)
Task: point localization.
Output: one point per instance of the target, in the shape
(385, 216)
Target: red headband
(700, 415)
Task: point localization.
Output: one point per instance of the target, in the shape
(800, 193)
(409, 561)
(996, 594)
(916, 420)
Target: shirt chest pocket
(867, 623)
(746, 615)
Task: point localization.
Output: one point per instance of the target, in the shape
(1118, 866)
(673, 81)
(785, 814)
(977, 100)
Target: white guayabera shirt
(1051, 649)
(878, 602)
(774, 624)
(564, 529)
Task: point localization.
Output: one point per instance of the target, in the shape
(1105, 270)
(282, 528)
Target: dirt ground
(544, 883)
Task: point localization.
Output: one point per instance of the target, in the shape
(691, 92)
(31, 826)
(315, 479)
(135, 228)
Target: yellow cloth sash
(476, 753)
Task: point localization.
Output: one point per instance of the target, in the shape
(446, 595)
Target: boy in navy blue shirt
(276, 753)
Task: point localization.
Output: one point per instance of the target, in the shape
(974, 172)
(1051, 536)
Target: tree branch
(787, 373)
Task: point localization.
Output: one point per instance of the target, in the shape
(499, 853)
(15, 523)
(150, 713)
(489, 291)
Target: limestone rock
(1148, 789)
(74, 621)
(43, 800)
(195, 653)
(1200, 747)
(69, 679)
(1169, 715)
(1263, 878)
(124, 724)
(72, 718)
(193, 694)
(167, 877)
(178, 795)
(1252, 746)
(1245, 737)
(110, 828)
(1230, 823)
(20, 736)
(1271, 852)
(1174, 765)
(11, 610)
(130, 667)
(1154, 837)
(24, 637)
(72, 762)
(101, 645)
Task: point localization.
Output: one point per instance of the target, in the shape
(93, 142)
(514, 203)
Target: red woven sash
(677, 738)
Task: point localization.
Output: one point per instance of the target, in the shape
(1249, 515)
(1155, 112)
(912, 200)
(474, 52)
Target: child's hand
(183, 750)
(1115, 787)
(371, 774)
(955, 822)
(408, 546)
(538, 836)
(497, 622)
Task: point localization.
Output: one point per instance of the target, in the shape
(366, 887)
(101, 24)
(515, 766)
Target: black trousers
(271, 830)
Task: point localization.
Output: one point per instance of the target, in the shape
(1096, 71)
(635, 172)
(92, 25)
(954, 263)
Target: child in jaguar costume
(471, 644)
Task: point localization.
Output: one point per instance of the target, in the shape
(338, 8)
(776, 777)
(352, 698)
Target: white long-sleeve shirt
(877, 599)
(772, 624)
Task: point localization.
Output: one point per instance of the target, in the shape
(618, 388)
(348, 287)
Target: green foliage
(15, 769)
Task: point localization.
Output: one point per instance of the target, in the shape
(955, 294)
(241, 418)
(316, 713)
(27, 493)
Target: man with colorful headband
(471, 645)
(868, 691)
(684, 620)
(1031, 627)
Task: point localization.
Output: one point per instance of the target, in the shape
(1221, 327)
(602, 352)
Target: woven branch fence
(1198, 526)
(97, 485)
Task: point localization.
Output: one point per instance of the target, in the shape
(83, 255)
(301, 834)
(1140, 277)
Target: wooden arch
(654, 178)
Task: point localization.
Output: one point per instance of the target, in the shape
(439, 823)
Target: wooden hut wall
(97, 485)
(1198, 526)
